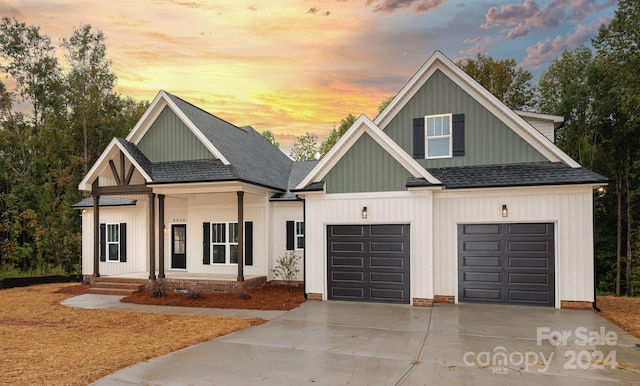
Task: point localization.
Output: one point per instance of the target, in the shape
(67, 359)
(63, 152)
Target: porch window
(299, 235)
(224, 243)
(113, 242)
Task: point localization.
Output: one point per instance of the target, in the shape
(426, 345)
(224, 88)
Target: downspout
(304, 251)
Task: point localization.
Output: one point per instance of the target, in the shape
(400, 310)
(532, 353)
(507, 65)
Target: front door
(179, 246)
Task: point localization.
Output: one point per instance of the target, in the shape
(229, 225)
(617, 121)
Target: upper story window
(438, 136)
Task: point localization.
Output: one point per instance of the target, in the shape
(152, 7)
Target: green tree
(89, 83)
(618, 55)
(385, 102)
(565, 89)
(305, 148)
(268, 135)
(503, 78)
(336, 134)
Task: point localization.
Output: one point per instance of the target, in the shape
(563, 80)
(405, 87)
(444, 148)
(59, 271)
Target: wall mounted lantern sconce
(601, 191)
(365, 213)
(505, 210)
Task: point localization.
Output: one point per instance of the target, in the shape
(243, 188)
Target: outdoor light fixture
(505, 211)
(365, 214)
(601, 191)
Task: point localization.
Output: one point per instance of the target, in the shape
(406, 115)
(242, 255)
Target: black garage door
(506, 263)
(368, 263)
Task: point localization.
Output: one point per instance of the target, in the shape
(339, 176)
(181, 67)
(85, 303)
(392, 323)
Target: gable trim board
(161, 101)
(518, 124)
(109, 152)
(360, 126)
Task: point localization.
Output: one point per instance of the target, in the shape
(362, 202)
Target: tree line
(597, 91)
(56, 117)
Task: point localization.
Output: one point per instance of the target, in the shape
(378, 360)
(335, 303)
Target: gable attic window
(438, 140)
(438, 136)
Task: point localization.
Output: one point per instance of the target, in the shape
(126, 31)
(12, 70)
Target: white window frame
(299, 235)
(227, 242)
(441, 136)
(109, 242)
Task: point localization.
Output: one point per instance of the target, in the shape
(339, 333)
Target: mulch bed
(267, 297)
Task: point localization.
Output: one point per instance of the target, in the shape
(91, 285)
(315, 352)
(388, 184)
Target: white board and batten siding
(222, 207)
(413, 208)
(281, 212)
(569, 208)
(136, 219)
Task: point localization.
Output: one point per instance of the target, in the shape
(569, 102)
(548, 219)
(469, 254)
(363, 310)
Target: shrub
(244, 295)
(287, 266)
(194, 292)
(156, 288)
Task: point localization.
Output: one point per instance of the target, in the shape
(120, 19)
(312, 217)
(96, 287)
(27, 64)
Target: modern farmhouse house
(447, 196)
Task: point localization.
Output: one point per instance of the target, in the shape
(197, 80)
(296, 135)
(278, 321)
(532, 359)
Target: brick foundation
(172, 284)
(447, 299)
(316, 297)
(422, 302)
(575, 305)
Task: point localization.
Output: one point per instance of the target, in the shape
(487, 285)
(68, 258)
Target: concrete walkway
(111, 302)
(340, 343)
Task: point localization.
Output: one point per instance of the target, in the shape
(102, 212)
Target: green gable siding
(487, 139)
(169, 139)
(367, 167)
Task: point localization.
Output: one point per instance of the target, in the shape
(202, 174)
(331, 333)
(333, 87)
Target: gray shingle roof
(521, 174)
(252, 157)
(204, 170)
(139, 156)
(104, 201)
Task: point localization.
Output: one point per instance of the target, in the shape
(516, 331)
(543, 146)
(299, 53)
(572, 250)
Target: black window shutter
(291, 235)
(457, 131)
(418, 138)
(123, 242)
(206, 243)
(248, 243)
(103, 242)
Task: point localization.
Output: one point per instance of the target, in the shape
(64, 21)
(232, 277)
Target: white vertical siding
(413, 208)
(223, 207)
(281, 212)
(136, 219)
(570, 208)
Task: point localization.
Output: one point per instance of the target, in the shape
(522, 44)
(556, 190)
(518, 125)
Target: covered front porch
(125, 284)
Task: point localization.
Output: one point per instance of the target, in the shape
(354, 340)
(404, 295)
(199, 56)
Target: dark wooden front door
(179, 246)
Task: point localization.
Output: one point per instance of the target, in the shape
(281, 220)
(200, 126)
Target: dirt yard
(623, 311)
(45, 343)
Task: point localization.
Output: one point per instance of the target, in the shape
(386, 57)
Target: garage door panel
(387, 230)
(529, 246)
(347, 246)
(346, 230)
(528, 262)
(516, 265)
(347, 261)
(482, 277)
(483, 229)
(383, 263)
(480, 294)
(482, 261)
(387, 295)
(530, 229)
(386, 277)
(347, 276)
(534, 297)
(481, 246)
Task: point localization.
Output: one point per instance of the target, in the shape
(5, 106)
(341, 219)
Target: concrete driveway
(340, 343)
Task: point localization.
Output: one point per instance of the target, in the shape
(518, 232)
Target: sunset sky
(296, 66)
